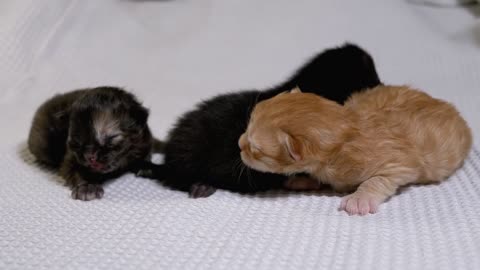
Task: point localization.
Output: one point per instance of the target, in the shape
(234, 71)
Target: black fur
(63, 136)
(201, 152)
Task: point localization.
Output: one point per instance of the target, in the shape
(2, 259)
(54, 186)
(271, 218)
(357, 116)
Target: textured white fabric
(173, 54)
(447, 3)
(139, 225)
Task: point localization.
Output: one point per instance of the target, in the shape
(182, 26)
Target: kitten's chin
(255, 165)
(103, 171)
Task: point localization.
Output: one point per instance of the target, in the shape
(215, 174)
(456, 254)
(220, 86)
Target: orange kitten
(379, 140)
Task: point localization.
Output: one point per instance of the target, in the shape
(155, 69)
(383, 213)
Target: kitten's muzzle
(93, 162)
(242, 142)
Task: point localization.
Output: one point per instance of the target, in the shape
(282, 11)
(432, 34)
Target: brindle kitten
(91, 135)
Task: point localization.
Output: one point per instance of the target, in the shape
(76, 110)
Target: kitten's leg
(144, 169)
(371, 193)
(160, 172)
(81, 188)
(147, 169)
(200, 190)
(301, 182)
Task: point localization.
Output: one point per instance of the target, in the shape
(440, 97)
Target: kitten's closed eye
(255, 149)
(114, 139)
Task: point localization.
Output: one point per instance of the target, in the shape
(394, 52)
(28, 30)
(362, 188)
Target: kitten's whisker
(237, 165)
(251, 183)
(241, 172)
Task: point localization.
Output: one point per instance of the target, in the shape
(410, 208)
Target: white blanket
(174, 53)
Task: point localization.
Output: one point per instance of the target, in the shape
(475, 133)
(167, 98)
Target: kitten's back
(49, 130)
(335, 72)
(434, 130)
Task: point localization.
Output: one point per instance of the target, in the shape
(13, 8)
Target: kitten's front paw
(199, 190)
(87, 192)
(360, 203)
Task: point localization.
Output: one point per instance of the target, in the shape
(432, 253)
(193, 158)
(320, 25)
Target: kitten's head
(286, 133)
(108, 129)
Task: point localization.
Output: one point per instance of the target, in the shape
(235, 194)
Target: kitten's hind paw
(151, 170)
(360, 203)
(199, 190)
(87, 192)
(144, 173)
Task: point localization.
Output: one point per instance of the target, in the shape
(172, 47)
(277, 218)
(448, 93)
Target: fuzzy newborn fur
(201, 152)
(379, 140)
(91, 135)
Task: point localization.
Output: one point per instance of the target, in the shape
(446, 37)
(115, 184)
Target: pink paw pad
(359, 204)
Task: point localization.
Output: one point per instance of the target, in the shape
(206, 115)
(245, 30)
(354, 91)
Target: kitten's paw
(87, 192)
(199, 190)
(360, 203)
(144, 173)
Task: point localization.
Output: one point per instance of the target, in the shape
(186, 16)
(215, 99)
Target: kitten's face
(267, 148)
(102, 140)
(268, 145)
(263, 151)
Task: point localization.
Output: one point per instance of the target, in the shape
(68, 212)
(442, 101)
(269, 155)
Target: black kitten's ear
(61, 115)
(140, 114)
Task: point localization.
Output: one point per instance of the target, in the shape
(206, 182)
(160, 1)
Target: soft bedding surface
(174, 53)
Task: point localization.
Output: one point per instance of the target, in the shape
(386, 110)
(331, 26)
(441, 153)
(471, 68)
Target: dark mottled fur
(201, 152)
(64, 135)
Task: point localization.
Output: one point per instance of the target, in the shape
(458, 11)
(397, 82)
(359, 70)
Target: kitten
(91, 135)
(201, 152)
(379, 140)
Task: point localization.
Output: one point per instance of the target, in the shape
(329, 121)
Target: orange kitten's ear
(295, 90)
(293, 147)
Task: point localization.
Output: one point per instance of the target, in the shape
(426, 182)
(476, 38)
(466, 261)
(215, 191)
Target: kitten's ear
(140, 114)
(294, 147)
(295, 90)
(62, 115)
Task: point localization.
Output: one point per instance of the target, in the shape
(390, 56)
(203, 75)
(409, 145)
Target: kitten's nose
(241, 142)
(92, 157)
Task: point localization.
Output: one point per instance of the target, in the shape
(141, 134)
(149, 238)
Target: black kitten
(91, 135)
(201, 153)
